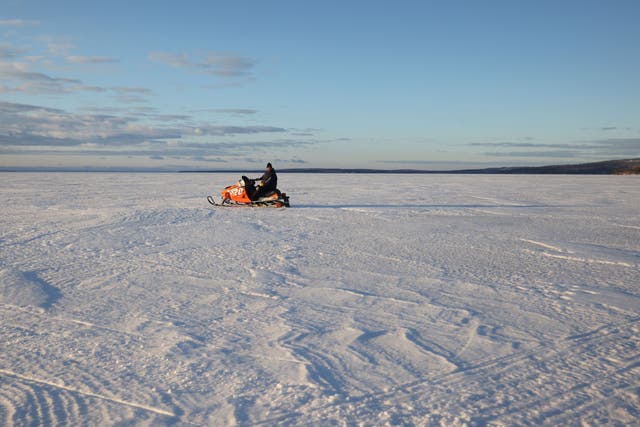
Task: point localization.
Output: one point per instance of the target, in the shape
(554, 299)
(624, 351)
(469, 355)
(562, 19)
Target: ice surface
(374, 300)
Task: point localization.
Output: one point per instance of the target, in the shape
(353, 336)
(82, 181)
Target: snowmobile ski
(277, 203)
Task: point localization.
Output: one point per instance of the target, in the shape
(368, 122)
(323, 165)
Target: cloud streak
(32, 130)
(23, 80)
(599, 148)
(131, 95)
(23, 74)
(9, 52)
(18, 23)
(540, 153)
(80, 59)
(20, 77)
(236, 111)
(214, 63)
(23, 124)
(520, 145)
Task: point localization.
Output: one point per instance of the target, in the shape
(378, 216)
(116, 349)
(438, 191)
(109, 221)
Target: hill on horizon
(607, 167)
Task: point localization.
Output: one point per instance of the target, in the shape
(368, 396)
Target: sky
(372, 84)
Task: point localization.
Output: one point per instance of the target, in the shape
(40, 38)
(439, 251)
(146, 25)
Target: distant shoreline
(608, 167)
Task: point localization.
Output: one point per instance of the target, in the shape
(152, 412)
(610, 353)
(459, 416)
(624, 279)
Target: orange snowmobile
(239, 195)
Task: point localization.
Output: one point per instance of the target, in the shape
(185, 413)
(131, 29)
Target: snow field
(374, 300)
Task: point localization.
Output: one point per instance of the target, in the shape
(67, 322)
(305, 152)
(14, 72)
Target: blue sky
(231, 85)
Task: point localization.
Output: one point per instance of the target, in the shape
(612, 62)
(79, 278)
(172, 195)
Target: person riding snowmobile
(244, 192)
(268, 183)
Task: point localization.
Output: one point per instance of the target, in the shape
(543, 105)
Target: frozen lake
(374, 300)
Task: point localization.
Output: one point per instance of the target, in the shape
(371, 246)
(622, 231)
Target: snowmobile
(238, 195)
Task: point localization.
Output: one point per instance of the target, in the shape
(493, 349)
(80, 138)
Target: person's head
(269, 167)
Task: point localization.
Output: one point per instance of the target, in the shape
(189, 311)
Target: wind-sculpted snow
(373, 300)
(25, 289)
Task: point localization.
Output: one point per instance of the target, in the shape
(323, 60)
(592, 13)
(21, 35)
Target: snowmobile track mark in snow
(44, 382)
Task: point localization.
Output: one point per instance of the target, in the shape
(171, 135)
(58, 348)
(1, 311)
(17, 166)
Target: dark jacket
(269, 180)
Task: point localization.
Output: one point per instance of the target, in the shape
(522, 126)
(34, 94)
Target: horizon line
(487, 170)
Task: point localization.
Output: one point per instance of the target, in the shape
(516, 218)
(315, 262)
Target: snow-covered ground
(374, 300)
